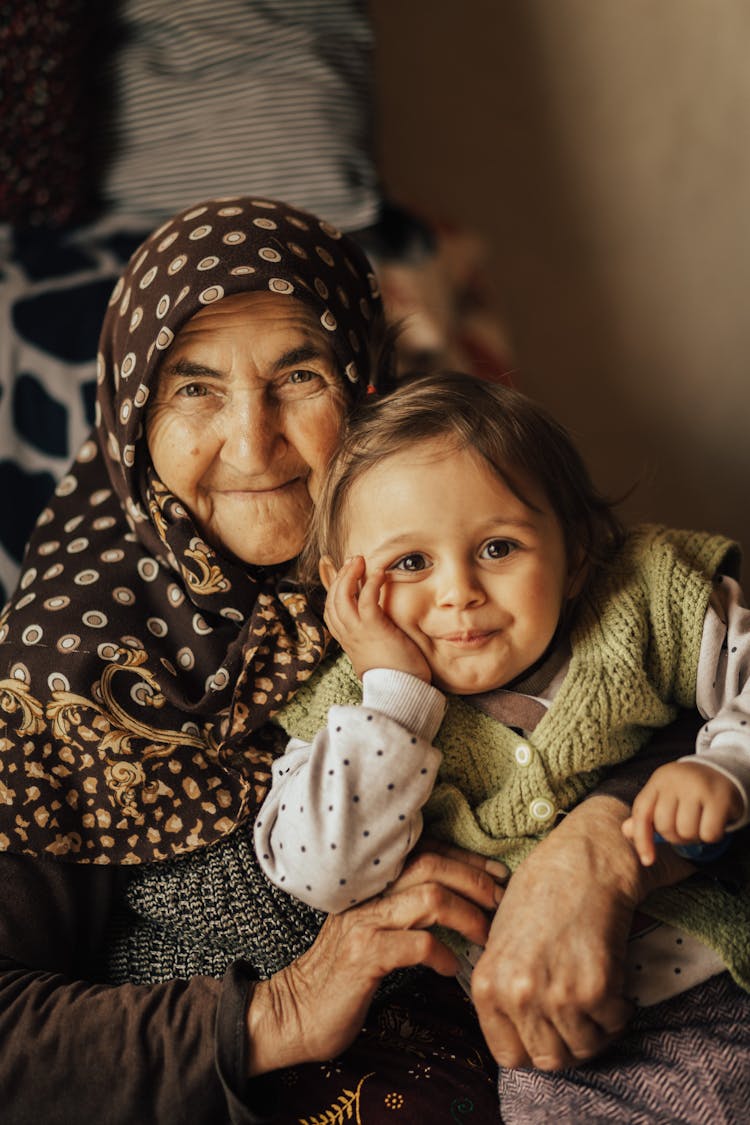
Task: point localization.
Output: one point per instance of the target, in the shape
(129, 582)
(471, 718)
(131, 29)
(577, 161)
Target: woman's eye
(299, 377)
(299, 383)
(193, 390)
(410, 563)
(498, 549)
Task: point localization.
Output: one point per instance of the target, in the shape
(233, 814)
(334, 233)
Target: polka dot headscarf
(142, 665)
(214, 250)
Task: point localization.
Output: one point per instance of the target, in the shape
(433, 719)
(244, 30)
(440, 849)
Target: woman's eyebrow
(301, 354)
(190, 369)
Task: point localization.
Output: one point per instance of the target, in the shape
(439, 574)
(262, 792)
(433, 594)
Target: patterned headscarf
(139, 664)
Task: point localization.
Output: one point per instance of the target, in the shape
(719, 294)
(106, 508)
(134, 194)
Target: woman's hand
(549, 987)
(354, 617)
(315, 1007)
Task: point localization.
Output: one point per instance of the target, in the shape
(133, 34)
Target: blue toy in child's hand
(698, 853)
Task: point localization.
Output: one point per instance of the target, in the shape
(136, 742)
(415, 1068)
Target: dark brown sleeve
(74, 1050)
(626, 780)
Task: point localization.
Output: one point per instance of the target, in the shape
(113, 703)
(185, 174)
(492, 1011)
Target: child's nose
(459, 586)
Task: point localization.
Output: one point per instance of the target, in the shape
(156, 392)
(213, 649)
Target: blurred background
(599, 151)
(602, 149)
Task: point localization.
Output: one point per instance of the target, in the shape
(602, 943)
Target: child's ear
(327, 571)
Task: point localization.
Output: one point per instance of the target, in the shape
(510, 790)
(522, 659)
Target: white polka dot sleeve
(343, 812)
(723, 690)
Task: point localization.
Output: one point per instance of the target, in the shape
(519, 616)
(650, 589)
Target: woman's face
(245, 417)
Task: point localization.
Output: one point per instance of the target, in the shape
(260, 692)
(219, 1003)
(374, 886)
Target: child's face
(474, 577)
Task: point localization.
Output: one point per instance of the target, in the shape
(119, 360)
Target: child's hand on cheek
(355, 618)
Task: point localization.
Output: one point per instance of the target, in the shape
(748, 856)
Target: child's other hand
(685, 803)
(367, 635)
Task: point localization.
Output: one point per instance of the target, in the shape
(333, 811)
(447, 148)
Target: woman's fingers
(508, 1048)
(469, 880)
(403, 948)
(546, 1040)
(532, 1020)
(583, 1033)
(571, 1040)
(432, 903)
(315, 1007)
(494, 867)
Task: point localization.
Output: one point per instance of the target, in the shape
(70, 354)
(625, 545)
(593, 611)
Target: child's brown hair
(516, 437)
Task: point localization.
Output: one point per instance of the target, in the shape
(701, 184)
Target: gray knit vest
(199, 913)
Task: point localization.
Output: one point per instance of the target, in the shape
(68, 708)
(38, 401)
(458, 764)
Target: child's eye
(498, 549)
(410, 563)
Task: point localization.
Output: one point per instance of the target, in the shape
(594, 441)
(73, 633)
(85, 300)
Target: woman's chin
(259, 553)
(258, 536)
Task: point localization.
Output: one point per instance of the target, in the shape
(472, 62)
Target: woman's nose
(252, 434)
(459, 586)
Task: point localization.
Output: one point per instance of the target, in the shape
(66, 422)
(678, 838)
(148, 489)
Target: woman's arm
(73, 1049)
(549, 987)
(185, 1051)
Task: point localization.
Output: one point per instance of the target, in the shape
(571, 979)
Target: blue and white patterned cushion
(54, 288)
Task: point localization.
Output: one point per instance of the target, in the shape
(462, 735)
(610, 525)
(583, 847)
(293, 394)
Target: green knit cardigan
(635, 647)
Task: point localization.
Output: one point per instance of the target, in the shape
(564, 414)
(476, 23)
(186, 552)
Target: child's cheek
(394, 598)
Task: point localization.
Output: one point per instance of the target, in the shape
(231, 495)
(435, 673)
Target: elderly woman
(150, 639)
(148, 972)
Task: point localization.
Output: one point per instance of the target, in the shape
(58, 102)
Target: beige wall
(603, 149)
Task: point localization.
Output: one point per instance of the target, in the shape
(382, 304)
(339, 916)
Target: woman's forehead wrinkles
(183, 367)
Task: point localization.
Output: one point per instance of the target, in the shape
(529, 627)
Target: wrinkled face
(245, 417)
(474, 576)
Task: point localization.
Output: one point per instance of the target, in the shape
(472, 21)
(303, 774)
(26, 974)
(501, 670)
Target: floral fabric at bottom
(420, 1058)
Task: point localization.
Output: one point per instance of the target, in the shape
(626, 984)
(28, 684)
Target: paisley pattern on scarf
(139, 663)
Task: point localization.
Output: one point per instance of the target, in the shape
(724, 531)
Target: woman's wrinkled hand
(315, 1007)
(549, 987)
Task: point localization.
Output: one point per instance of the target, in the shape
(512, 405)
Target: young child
(465, 551)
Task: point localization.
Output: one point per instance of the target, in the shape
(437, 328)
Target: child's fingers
(713, 821)
(643, 842)
(687, 819)
(369, 595)
(665, 817)
(341, 604)
(641, 827)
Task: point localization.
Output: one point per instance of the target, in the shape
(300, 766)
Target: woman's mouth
(257, 493)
